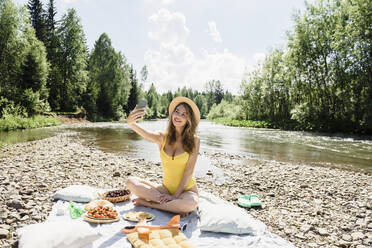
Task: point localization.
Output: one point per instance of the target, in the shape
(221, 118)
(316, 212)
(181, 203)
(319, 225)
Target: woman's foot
(142, 202)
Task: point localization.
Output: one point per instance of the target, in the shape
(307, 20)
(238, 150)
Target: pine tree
(133, 95)
(51, 39)
(72, 62)
(38, 21)
(53, 47)
(50, 20)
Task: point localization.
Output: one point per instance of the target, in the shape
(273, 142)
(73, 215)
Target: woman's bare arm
(136, 115)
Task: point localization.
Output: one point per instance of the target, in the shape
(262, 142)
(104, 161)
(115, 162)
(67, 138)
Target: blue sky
(188, 42)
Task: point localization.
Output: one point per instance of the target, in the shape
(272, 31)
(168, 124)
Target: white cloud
(259, 57)
(71, 1)
(213, 32)
(168, 27)
(167, 1)
(173, 64)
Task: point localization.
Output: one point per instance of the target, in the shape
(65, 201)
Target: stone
(24, 218)
(4, 233)
(357, 235)
(347, 237)
(4, 215)
(305, 228)
(17, 204)
(37, 217)
(367, 242)
(288, 231)
(14, 215)
(10, 221)
(6, 227)
(323, 232)
(343, 243)
(300, 236)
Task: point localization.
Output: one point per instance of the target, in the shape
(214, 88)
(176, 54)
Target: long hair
(188, 133)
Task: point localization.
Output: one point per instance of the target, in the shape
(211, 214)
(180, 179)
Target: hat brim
(176, 101)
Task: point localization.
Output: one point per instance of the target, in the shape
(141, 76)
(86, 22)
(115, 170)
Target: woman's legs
(186, 203)
(146, 190)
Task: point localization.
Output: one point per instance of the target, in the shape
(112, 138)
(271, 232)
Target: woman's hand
(166, 198)
(135, 115)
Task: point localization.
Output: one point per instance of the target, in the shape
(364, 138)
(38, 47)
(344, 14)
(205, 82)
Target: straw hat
(193, 106)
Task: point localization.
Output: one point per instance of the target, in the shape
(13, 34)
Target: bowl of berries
(114, 196)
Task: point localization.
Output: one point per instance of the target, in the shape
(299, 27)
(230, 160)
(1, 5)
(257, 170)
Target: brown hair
(188, 133)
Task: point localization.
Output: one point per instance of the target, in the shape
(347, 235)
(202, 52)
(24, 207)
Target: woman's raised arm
(136, 115)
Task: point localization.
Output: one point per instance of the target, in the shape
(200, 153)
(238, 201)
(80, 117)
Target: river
(252, 144)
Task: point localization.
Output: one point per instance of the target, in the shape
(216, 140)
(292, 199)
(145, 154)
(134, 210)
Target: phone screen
(142, 103)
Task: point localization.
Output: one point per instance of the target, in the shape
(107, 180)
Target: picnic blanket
(113, 237)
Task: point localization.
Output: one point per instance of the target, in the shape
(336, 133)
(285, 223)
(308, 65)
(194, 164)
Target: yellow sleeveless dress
(174, 168)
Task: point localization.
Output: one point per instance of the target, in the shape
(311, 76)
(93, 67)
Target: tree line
(321, 80)
(46, 66)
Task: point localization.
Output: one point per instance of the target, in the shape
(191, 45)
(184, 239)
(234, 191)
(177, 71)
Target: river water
(252, 144)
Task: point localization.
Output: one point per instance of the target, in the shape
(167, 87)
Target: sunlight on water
(336, 150)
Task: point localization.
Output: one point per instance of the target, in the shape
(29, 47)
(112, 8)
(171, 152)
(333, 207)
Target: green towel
(75, 212)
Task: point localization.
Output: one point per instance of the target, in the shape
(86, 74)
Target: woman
(179, 149)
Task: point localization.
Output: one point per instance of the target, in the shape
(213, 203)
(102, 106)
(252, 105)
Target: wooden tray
(92, 220)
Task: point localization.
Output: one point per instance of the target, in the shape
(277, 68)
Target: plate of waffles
(138, 216)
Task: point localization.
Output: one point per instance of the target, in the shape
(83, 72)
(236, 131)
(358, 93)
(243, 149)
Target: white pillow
(77, 193)
(217, 215)
(57, 234)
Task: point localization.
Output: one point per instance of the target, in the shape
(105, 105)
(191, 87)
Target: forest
(321, 80)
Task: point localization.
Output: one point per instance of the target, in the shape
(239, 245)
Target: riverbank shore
(309, 206)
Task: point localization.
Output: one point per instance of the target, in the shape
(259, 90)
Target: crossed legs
(149, 196)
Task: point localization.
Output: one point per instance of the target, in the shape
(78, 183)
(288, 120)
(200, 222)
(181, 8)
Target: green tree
(11, 48)
(53, 47)
(214, 92)
(201, 102)
(133, 94)
(23, 67)
(152, 100)
(72, 63)
(323, 78)
(109, 83)
(38, 19)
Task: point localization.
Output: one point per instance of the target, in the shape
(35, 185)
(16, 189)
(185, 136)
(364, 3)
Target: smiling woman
(179, 149)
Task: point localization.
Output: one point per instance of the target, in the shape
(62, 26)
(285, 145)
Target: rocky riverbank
(309, 206)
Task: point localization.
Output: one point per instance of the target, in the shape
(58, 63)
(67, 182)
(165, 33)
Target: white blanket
(113, 237)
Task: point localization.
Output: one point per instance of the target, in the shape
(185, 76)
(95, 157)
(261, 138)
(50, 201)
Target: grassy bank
(288, 125)
(17, 122)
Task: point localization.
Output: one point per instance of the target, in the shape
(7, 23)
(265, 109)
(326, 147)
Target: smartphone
(141, 103)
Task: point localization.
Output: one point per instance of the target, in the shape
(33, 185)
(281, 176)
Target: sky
(188, 42)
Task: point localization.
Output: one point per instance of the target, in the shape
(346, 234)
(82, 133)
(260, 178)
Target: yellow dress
(174, 168)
